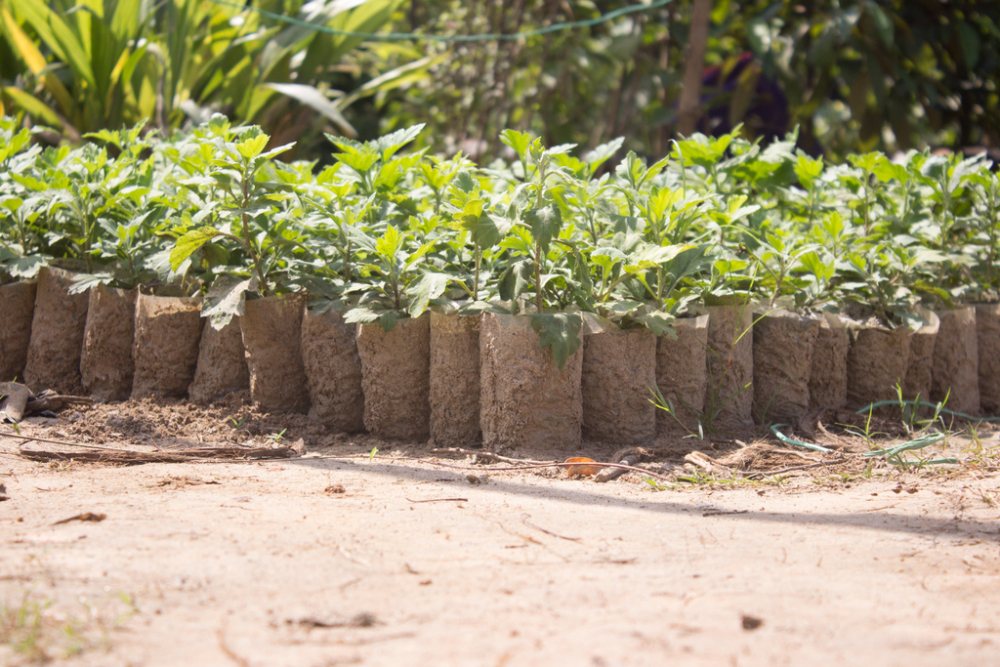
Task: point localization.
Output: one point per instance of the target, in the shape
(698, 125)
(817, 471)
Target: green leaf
(430, 286)
(189, 243)
(225, 300)
(544, 223)
(559, 332)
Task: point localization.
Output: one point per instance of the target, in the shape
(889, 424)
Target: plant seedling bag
(272, 333)
(454, 380)
(920, 367)
(956, 361)
(56, 334)
(333, 371)
(526, 400)
(222, 363)
(619, 369)
(17, 303)
(729, 395)
(876, 363)
(681, 374)
(395, 377)
(783, 345)
(988, 341)
(106, 365)
(167, 334)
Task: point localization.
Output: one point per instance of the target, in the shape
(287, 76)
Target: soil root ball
(106, 363)
(956, 361)
(619, 369)
(681, 374)
(729, 398)
(56, 334)
(333, 371)
(395, 376)
(876, 364)
(454, 380)
(222, 364)
(17, 303)
(920, 367)
(272, 334)
(828, 373)
(526, 400)
(165, 351)
(783, 345)
(988, 339)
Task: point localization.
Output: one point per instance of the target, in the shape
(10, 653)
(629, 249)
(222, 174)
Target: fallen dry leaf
(85, 516)
(582, 470)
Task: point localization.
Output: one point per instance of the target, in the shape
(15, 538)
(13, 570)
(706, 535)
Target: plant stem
(248, 240)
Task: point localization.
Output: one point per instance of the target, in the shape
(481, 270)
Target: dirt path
(394, 561)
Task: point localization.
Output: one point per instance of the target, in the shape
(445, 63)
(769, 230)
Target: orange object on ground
(582, 470)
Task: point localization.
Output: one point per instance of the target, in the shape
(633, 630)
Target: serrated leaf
(189, 243)
(225, 300)
(559, 332)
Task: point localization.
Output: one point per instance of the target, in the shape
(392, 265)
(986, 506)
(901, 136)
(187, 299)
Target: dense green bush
(384, 234)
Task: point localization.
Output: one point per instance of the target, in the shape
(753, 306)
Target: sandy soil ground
(340, 557)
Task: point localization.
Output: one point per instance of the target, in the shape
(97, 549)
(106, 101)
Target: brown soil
(395, 375)
(956, 361)
(619, 369)
(167, 334)
(106, 365)
(222, 363)
(783, 345)
(527, 401)
(729, 397)
(828, 376)
(877, 362)
(17, 303)
(272, 334)
(988, 337)
(920, 369)
(681, 374)
(56, 334)
(454, 388)
(342, 558)
(333, 371)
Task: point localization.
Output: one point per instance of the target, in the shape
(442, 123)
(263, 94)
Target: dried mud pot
(106, 363)
(956, 361)
(56, 334)
(333, 371)
(526, 400)
(619, 369)
(876, 363)
(395, 376)
(222, 363)
(17, 304)
(783, 345)
(681, 375)
(988, 339)
(165, 350)
(920, 367)
(272, 334)
(729, 396)
(454, 380)
(828, 374)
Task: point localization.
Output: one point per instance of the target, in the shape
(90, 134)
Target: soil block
(17, 304)
(783, 344)
(454, 376)
(333, 371)
(619, 370)
(729, 397)
(272, 337)
(988, 339)
(165, 351)
(56, 334)
(395, 376)
(526, 399)
(876, 363)
(956, 361)
(681, 374)
(222, 363)
(828, 375)
(106, 363)
(920, 367)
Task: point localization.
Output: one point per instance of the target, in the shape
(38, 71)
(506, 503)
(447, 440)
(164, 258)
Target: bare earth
(405, 559)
